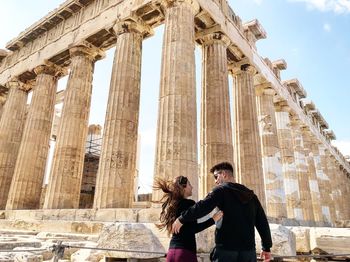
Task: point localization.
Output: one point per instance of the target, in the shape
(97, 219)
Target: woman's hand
(266, 256)
(218, 215)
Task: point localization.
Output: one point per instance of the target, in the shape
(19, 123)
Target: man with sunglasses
(235, 239)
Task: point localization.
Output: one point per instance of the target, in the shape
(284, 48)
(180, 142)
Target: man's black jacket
(242, 211)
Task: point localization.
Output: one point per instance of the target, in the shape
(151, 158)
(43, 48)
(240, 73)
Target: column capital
(173, 3)
(132, 25)
(282, 106)
(264, 89)
(296, 122)
(86, 49)
(214, 37)
(243, 66)
(15, 83)
(306, 129)
(50, 69)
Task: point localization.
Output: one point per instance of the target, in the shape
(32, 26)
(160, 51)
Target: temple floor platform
(131, 235)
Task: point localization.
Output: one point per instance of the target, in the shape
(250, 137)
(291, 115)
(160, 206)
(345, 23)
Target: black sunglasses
(183, 181)
(217, 174)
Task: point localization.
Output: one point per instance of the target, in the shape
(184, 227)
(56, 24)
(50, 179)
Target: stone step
(9, 245)
(66, 236)
(6, 258)
(52, 226)
(17, 232)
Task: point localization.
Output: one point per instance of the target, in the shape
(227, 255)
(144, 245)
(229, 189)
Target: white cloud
(336, 6)
(343, 146)
(258, 2)
(327, 27)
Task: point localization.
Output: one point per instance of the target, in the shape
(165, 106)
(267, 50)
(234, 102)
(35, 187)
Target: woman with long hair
(182, 246)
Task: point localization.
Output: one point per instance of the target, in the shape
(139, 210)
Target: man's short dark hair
(222, 166)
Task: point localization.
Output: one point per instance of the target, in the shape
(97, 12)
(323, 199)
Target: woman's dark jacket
(186, 237)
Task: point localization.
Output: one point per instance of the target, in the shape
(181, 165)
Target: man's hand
(266, 256)
(176, 226)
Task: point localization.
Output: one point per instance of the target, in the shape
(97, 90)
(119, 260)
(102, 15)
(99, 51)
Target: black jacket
(242, 211)
(186, 237)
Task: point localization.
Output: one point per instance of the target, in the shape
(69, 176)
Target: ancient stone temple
(279, 142)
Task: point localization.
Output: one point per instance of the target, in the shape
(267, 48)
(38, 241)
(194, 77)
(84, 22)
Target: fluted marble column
(176, 146)
(313, 182)
(67, 168)
(216, 128)
(346, 189)
(335, 187)
(11, 130)
(302, 170)
(341, 191)
(30, 165)
(324, 183)
(247, 145)
(2, 103)
(291, 181)
(115, 178)
(271, 153)
(325, 209)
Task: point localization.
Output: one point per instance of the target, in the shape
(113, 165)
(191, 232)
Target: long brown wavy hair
(173, 193)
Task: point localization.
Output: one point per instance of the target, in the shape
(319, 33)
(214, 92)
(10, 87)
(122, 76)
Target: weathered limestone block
(105, 215)
(206, 240)
(22, 215)
(283, 239)
(51, 214)
(21, 243)
(162, 235)
(64, 236)
(330, 240)
(302, 236)
(149, 215)
(130, 236)
(67, 214)
(85, 227)
(28, 257)
(87, 255)
(6, 258)
(116, 215)
(85, 214)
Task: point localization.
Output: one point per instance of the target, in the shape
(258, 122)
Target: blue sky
(311, 35)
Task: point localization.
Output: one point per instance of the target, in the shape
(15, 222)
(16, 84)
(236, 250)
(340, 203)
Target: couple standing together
(240, 211)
